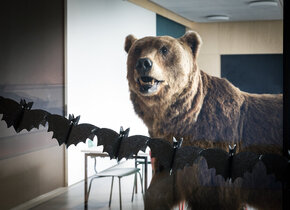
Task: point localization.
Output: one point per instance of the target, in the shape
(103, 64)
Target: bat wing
(243, 162)
(109, 139)
(2, 99)
(218, 159)
(132, 145)
(11, 111)
(60, 127)
(185, 156)
(32, 119)
(162, 150)
(80, 133)
(276, 164)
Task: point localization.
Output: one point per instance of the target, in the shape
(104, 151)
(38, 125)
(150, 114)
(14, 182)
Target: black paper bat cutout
(132, 145)
(110, 139)
(229, 164)
(173, 156)
(120, 145)
(277, 165)
(20, 115)
(232, 166)
(68, 131)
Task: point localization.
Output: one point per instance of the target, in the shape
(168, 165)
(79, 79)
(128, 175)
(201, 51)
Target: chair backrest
(117, 163)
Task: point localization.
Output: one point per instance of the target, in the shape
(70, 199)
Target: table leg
(86, 181)
(120, 198)
(146, 174)
(136, 176)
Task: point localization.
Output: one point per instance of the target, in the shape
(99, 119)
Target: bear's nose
(143, 65)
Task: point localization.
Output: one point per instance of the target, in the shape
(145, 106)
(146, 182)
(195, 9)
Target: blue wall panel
(166, 27)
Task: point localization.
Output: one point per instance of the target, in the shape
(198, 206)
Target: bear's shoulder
(220, 90)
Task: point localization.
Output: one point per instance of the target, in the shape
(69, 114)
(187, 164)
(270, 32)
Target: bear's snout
(143, 66)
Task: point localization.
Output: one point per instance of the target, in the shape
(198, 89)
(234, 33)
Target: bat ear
(22, 102)
(126, 132)
(29, 105)
(232, 150)
(70, 117)
(180, 142)
(77, 119)
(175, 142)
(123, 133)
(174, 139)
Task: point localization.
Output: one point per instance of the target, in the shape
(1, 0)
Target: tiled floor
(99, 196)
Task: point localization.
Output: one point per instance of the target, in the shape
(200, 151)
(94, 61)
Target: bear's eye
(164, 50)
(137, 50)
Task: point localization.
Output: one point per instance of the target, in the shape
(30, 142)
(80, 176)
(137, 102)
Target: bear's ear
(130, 39)
(193, 40)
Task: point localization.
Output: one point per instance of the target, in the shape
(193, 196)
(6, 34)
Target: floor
(73, 198)
(99, 196)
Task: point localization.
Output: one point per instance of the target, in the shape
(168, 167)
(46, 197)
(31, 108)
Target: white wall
(96, 67)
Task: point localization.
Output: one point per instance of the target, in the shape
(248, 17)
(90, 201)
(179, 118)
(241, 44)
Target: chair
(115, 171)
(142, 163)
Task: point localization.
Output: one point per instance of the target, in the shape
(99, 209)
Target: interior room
(69, 57)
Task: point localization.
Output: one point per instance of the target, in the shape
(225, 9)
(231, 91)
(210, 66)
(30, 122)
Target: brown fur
(206, 111)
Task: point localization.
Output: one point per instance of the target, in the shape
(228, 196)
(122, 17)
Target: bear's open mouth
(148, 84)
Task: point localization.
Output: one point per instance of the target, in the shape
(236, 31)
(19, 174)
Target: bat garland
(20, 115)
(68, 131)
(120, 145)
(173, 156)
(228, 164)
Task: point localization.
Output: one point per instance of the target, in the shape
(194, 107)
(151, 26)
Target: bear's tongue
(148, 84)
(148, 88)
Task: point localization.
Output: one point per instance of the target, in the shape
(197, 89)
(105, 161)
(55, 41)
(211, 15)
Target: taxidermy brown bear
(175, 98)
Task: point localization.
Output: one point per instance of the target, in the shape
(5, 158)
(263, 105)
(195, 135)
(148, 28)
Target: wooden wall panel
(31, 67)
(252, 37)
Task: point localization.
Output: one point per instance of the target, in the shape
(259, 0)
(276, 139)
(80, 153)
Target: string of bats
(171, 156)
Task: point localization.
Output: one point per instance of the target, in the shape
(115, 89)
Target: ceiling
(224, 10)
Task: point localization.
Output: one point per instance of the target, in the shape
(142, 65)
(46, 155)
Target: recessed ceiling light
(217, 17)
(263, 3)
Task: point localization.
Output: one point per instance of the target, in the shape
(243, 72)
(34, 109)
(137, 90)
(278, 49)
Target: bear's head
(160, 67)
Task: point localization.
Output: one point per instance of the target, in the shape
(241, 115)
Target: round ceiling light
(217, 17)
(263, 4)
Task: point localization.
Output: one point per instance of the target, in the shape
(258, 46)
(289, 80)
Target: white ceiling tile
(237, 10)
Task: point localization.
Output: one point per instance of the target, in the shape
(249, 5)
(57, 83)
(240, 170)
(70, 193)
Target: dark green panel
(168, 27)
(258, 73)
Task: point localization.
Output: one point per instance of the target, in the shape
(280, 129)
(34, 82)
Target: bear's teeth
(147, 79)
